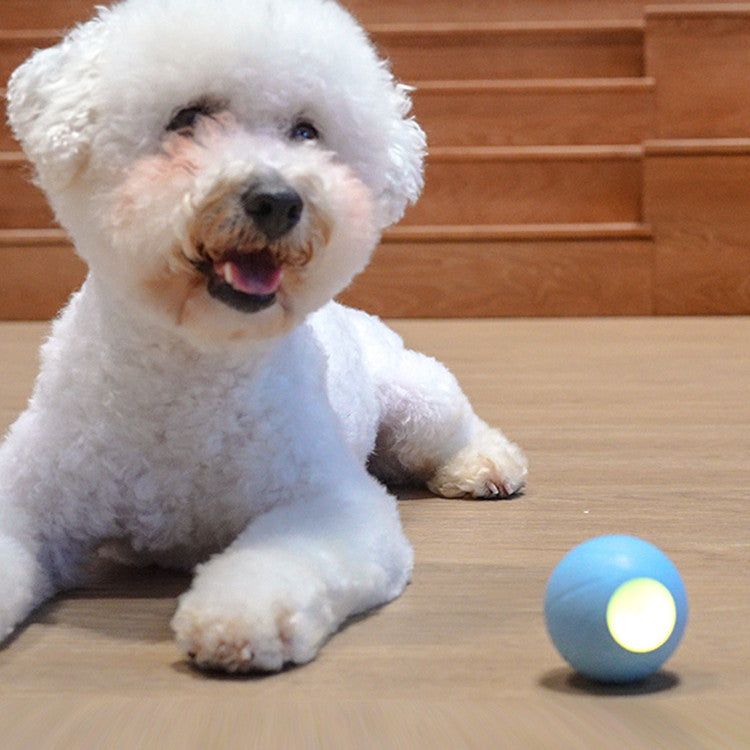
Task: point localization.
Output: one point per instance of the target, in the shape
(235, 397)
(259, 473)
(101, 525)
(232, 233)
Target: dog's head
(230, 164)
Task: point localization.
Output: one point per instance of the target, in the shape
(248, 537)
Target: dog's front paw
(276, 623)
(239, 643)
(490, 466)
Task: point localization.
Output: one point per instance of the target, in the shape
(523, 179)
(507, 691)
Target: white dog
(225, 168)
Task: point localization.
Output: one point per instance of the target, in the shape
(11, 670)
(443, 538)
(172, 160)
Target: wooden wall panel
(699, 206)
(510, 278)
(700, 58)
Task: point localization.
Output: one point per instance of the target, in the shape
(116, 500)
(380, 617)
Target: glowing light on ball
(641, 615)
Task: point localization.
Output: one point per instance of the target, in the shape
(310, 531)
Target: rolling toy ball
(615, 608)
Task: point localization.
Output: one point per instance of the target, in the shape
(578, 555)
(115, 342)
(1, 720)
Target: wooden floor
(637, 426)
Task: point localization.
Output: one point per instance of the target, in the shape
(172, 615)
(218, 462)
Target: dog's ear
(407, 146)
(51, 108)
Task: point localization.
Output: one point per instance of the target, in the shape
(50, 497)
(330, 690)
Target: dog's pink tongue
(252, 273)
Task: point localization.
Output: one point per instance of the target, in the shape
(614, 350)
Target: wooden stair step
(563, 184)
(464, 186)
(22, 204)
(59, 14)
(442, 271)
(17, 45)
(50, 14)
(517, 112)
(536, 112)
(507, 276)
(40, 271)
(432, 51)
(7, 142)
(700, 55)
(462, 50)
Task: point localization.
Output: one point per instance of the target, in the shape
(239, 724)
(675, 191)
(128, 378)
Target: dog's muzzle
(249, 280)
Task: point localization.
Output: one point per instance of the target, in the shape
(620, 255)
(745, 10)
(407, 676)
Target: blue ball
(615, 608)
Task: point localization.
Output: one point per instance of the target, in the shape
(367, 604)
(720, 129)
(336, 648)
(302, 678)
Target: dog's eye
(304, 131)
(186, 118)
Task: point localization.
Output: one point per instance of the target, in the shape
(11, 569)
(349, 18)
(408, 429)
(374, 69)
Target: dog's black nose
(274, 206)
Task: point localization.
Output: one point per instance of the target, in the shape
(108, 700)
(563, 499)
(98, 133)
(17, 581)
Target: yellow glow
(641, 615)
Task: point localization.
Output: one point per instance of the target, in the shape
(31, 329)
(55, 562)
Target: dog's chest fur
(171, 433)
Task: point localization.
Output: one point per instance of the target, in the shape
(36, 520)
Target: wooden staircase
(595, 162)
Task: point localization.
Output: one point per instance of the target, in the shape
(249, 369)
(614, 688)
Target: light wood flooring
(638, 426)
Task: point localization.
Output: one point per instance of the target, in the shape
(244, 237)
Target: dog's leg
(24, 583)
(430, 432)
(38, 559)
(293, 576)
(38, 556)
(33, 566)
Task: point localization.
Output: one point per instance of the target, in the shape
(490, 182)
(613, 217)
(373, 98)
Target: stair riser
(22, 204)
(15, 49)
(546, 191)
(519, 53)
(457, 192)
(519, 117)
(49, 14)
(449, 279)
(515, 117)
(512, 279)
(33, 14)
(7, 142)
(514, 54)
(37, 280)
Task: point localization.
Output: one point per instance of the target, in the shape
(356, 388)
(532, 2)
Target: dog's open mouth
(244, 281)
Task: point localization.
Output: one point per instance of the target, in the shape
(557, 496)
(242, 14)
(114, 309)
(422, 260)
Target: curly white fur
(230, 429)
